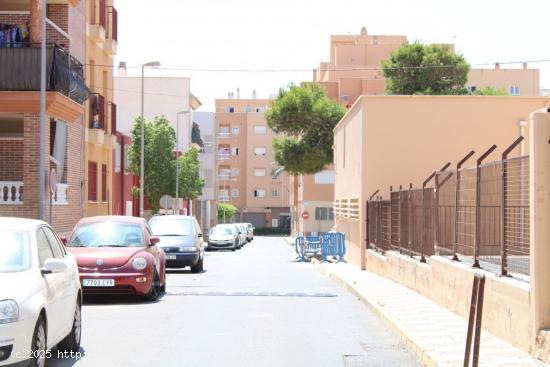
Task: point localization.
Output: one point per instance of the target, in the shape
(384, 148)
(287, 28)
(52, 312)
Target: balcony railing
(223, 198)
(224, 135)
(20, 71)
(224, 156)
(11, 192)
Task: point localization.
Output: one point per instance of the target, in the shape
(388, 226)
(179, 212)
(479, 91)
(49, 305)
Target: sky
(295, 34)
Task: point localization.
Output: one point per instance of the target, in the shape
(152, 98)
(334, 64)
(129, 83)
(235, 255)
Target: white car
(40, 294)
(243, 231)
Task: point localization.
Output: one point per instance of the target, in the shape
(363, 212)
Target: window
(248, 109)
(235, 130)
(229, 109)
(104, 183)
(57, 248)
(275, 193)
(126, 159)
(118, 157)
(259, 151)
(92, 181)
(259, 172)
(325, 177)
(514, 90)
(43, 246)
(235, 151)
(259, 193)
(324, 214)
(260, 109)
(234, 172)
(235, 193)
(260, 130)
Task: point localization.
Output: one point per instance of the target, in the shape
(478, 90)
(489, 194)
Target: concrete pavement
(253, 307)
(436, 335)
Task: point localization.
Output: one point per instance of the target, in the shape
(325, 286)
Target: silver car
(224, 236)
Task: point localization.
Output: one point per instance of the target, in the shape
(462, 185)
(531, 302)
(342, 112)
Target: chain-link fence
(478, 215)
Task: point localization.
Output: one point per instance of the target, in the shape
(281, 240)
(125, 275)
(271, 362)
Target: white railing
(224, 135)
(60, 196)
(11, 192)
(348, 208)
(223, 198)
(224, 156)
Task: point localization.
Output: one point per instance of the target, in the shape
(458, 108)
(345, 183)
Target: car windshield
(107, 234)
(172, 227)
(15, 254)
(221, 231)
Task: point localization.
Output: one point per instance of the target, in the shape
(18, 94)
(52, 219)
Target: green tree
(226, 211)
(190, 184)
(490, 91)
(425, 69)
(159, 160)
(307, 118)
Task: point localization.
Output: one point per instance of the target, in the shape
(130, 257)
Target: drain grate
(250, 294)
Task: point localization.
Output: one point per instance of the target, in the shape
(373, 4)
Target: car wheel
(199, 267)
(155, 290)
(71, 343)
(39, 344)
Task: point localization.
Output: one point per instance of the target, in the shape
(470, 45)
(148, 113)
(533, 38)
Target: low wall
(506, 306)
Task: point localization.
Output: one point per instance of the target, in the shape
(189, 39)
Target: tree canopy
(160, 162)
(226, 211)
(307, 118)
(425, 69)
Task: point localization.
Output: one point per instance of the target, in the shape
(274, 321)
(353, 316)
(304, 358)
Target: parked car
(181, 239)
(250, 231)
(40, 294)
(242, 233)
(118, 255)
(224, 236)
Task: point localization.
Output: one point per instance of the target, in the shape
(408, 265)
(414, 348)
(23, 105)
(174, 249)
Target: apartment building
(101, 130)
(170, 97)
(246, 165)
(355, 69)
(20, 186)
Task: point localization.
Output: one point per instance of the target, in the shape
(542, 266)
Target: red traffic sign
(305, 215)
(53, 181)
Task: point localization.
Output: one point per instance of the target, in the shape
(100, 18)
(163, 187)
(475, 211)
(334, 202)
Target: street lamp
(152, 64)
(177, 158)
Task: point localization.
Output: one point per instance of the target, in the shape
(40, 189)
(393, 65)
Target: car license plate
(171, 257)
(98, 282)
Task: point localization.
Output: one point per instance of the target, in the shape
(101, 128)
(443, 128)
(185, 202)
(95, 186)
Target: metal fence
(478, 215)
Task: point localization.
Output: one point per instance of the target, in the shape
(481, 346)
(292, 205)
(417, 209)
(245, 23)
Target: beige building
(388, 141)
(516, 82)
(100, 117)
(245, 163)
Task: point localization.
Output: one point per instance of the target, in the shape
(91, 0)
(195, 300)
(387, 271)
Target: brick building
(20, 111)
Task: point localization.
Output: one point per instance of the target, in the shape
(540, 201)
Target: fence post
(457, 202)
(400, 218)
(435, 216)
(409, 222)
(369, 220)
(478, 202)
(422, 257)
(503, 203)
(367, 223)
(391, 218)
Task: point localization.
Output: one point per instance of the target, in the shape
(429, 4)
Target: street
(253, 307)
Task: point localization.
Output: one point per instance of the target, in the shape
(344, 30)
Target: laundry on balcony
(14, 35)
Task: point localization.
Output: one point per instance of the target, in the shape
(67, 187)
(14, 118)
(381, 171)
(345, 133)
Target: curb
(378, 310)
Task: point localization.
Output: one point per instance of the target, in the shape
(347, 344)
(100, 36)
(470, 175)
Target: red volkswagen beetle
(118, 255)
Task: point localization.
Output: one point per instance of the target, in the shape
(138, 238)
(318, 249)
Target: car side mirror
(52, 266)
(153, 240)
(63, 240)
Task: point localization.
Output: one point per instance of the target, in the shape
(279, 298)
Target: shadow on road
(60, 359)
(109, 300)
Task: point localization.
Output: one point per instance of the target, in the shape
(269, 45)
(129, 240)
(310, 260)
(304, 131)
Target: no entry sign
(305, 215)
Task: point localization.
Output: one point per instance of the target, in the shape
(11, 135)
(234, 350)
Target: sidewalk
(435, 334)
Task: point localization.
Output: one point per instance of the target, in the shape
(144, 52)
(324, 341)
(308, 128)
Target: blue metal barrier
(307, 246)
(333, 244)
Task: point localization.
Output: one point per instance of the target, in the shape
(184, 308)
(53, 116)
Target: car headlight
(139, 263)
(9, 311)
(187, 249)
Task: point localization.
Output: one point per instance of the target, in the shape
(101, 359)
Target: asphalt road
(254, 307)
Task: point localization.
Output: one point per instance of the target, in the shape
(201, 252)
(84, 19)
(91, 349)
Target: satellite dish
(166, 202)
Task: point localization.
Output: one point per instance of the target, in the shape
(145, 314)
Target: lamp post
(177, 158)
(142, 165)
(42, 141)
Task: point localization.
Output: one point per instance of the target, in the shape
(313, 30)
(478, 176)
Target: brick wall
(64, 217)
(11, 160)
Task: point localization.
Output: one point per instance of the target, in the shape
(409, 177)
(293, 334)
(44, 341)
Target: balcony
(224, 135)
(223, 198)
(11, 192)
(20, 71)
(95, 136)
(96, 28)
(111, 41)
